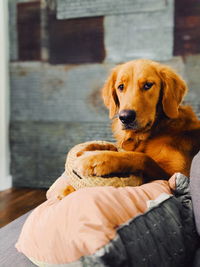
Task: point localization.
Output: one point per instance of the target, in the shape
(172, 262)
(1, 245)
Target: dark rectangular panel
(187, 25)
(28, 27)
(76, 40)
(187, 41)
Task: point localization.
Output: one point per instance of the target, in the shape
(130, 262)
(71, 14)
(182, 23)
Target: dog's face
(133, 90)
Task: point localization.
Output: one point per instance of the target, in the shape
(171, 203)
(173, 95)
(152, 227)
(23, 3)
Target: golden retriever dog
(157, 136)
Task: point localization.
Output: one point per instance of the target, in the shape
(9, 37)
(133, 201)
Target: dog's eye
(147, 86)
(121, 87)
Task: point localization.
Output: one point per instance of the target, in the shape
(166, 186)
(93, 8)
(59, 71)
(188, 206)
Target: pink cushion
(61, 231)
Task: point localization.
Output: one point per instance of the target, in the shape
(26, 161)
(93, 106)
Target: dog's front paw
(94, 163)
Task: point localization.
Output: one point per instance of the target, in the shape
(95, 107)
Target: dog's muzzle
(127, 116)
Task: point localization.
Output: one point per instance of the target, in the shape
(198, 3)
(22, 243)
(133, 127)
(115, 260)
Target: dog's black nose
(127, 116)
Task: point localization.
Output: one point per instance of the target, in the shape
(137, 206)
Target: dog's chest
(155, 147)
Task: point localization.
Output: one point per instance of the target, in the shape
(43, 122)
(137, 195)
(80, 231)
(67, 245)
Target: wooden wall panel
(54, 107)
(86, 8)
(187, 27)
(28, 27)
(39, 149)
(76, 40)
(139, 35)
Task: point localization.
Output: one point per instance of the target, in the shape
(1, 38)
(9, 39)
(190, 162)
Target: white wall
(5, 178)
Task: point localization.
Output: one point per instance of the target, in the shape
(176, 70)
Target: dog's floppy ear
(109, 94)
(174, 89)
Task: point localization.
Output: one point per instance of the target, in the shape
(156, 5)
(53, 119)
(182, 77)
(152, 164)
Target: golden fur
(167, 134)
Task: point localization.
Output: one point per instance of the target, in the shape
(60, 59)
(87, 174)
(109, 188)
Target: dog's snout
(127, 116)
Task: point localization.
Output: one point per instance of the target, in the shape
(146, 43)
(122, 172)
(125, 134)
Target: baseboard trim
(5, 182)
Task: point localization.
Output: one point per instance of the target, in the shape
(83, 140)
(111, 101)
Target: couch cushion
(8, 236)
(194, 189)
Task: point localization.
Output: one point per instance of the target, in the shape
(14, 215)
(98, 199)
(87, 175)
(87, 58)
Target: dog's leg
(102, 163)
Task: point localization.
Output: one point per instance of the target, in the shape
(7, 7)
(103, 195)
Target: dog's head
(134, 89)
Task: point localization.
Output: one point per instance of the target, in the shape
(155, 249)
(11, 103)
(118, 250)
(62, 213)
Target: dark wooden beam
(76, 40)
(29, 32)
(187, 25)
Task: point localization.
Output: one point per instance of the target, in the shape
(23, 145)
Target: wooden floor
(15, 202)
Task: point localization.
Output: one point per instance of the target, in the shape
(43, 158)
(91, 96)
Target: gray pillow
(195, 189)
